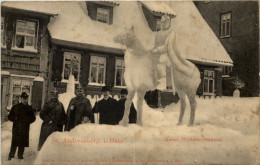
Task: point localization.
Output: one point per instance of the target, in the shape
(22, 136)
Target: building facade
(236, 24)
(24, 51)
(44, 42)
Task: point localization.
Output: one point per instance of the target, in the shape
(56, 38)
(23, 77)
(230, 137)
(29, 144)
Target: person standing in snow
(53, 116)
(22, 115)
(121, 107)
(79, 110)
(106, 108)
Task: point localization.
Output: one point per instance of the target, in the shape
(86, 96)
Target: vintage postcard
(130, 82)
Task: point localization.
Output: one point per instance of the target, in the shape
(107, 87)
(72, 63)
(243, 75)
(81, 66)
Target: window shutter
(84, 69)
(218, 82)
(37, 95)
(110, 71)
(57, 66)
(200, 88)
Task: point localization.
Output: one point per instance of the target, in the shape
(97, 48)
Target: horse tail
(173, 51)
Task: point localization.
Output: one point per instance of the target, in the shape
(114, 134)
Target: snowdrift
(226, 132)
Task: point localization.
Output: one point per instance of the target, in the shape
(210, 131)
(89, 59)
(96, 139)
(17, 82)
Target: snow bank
(232, 122)
(227, 132)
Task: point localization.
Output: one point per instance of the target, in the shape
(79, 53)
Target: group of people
(108, 111)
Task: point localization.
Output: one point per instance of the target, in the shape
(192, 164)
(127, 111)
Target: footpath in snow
(227, 132)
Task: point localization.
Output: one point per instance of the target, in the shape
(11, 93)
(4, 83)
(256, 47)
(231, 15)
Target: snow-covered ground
(232, 122)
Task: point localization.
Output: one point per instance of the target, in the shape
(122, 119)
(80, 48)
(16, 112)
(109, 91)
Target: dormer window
(101, 11)
(153, 11)
(103, 15)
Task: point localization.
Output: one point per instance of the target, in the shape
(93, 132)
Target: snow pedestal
(236, 93)
(65, 98)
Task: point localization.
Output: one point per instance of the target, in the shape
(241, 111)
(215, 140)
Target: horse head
(126, 38)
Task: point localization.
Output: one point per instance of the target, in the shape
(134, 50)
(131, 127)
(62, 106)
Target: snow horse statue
(186, 75)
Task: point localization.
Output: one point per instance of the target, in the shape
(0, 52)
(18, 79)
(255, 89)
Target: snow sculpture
(186, 76)
(139, 72)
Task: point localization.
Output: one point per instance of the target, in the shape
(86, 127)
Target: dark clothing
(107, 110)
(121, 110)
(22, 116)
(54, 117)
(82, 108)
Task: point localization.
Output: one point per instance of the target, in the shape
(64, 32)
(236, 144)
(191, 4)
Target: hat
(24, 95)
(105, 88)
(124, 91)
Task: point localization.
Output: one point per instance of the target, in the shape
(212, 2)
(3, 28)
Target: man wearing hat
(121, 108)
(107, 108)
(22, 115)
(53, 116)
(79, 110)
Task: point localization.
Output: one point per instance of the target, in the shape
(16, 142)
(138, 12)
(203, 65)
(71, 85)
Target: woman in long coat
(22, 115)
(53, 116)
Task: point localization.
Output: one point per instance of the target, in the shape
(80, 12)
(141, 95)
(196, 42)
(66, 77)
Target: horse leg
(183, 106)
(193, 106)
(129, 100)
(140, 99)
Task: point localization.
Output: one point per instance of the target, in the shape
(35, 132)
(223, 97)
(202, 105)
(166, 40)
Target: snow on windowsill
(96, 84)
(66, 81)
(225, 37)
(23, 76)
(38, 78)
(31, 50)
(209, 94)
(5, 73)
(120, 87)
(225, 76)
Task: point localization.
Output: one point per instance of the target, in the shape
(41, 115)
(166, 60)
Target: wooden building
(24, 52)
(236, 25)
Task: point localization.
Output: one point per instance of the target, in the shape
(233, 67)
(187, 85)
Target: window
(119, 75)
(158, 25)
(208, 85)
(97, 70)
(2, 31)
(71, 65)
(26, 35)
(103, 15)
(225, 25)
(19, 86)
(226, 70)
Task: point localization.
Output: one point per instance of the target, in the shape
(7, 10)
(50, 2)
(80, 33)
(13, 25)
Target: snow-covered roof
(196, 40)
(30, 7)
(113, 3)
(159, 7)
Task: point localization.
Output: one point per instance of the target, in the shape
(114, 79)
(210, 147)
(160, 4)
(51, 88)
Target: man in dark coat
(22, 115)
(121, 108)
(107, 108)
(79, 110)
(53, 116)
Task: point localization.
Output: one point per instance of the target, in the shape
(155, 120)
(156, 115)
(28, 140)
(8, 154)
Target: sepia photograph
(130, 82)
